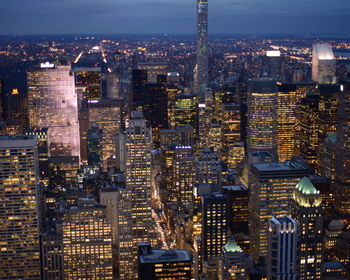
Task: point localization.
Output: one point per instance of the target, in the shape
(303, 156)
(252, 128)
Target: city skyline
(143, 16)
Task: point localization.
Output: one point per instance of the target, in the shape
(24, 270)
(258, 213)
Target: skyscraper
(52, 103)
(138, 181)
(342, 168)
(271, 187)
(274, 64)
(262, 116)
(283, 237)
(306, 209)
(87, 242)
(323, 64)
(201, 72)
(19, 217)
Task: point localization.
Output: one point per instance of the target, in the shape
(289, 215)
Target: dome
(305, 186)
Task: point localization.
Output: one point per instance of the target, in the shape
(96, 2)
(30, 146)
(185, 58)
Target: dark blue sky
(319, 17)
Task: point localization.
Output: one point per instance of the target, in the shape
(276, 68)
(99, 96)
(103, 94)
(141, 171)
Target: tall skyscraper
(214, 228)
(286, 115)
(323, 64)
(271, 187)
(306, 209)
(283, 259)
(138, 182)
(342, 168)
(262, 116)
(52, 103)
(201, 71)
(274, 64)
(87, 242)
(19, 214)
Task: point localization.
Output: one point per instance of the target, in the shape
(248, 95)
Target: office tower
(306, 209)
(113, 86)
(2, 100)
(90, 78)
(286, 120)
(327, 157)
(106, 114)
(139, 80)
(334, 271)
(235, 264)
(154, 69)
(262, 116)
(342, 168)
(182, 135)
(19, 214)
(185, 110)
(52, 104)
(94, 150)
(157, 264)
(154, 104)
(237, 200)
(172, 91)
(87, 241)
(215, 136)
(308, 120)
(271, 187)
(201, 72)
(109, 197)
(184, 172)
(323, 64)
(208, 167)
(51, 245)
(214, 225)
(63, 171)
(274, 64)
(138, 180)
(43, 153)
(283, 246)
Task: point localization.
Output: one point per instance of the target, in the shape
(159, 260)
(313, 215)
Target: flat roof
(17, 141)
(165, 256)
(280, 166)
(236, 188)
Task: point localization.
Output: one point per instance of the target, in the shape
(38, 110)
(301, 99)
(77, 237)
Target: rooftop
(280, 166)
(231, 246)
(164, 256)
(305, 186)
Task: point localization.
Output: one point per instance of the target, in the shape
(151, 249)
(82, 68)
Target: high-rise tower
(201, 72)
(52, 103)
(19, 225)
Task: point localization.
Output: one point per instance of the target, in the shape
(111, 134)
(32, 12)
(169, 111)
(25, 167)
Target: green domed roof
(305, 186)
(231, 246)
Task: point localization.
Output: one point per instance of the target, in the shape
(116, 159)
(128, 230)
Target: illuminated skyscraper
(262, 116)
(283, 242)
(138, 181)
(274, 64)
(286, 115)
(271, 187)
(201, 71)
(342, 168)
(185, 110)
(323, 64)
(106, 114)
(208, 167)
(19, 215)
(87, 242)
(52, 103)
(90, 79)
(214, 233)
(306, 209)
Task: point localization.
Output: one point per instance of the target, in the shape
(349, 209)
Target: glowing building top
(323, 64)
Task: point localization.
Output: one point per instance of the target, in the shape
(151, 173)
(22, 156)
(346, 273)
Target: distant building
(283, 246)
(323, 64)
(262, 123)
(156, 264)
(274, 64)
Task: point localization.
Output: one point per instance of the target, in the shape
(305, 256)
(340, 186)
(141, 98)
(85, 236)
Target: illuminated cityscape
(174, 140)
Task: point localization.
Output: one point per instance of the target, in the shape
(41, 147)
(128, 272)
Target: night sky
(317, 17)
